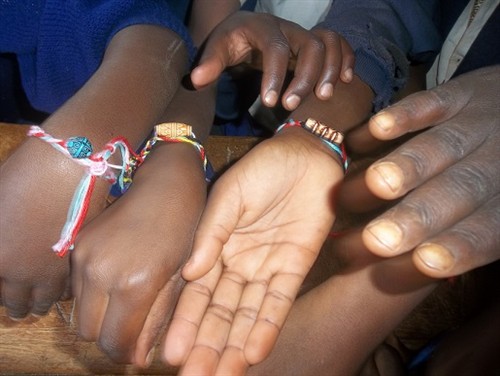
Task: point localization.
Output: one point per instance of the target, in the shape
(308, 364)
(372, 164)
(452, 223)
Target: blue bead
(79, 147)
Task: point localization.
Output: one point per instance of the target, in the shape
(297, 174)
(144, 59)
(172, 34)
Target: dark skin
(449, 217)
(320, 56)
(32, 277)
(126, 285)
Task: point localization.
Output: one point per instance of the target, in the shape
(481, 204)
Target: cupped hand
(322, 56)
(264, 224)
(127, 262)
(449, 175)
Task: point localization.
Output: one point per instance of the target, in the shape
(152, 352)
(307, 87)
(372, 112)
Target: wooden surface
(50, 345)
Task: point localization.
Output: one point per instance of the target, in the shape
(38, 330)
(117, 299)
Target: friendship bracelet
(332, 138)
(96, 165)
(174, 133)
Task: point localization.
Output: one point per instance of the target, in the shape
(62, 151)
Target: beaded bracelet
(96, 165)
(332, 138)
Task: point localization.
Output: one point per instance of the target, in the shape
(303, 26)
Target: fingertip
(174, 349)
(383, 237)
(385, 179)
(291, 102)
(325, 91)
(382, 124)
(347, 75)
(434, 260)
(270, 98)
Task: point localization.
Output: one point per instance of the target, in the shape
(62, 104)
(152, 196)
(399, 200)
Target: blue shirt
(59, 44)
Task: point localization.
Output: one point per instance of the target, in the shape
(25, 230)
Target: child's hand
(322, 56)
(126, 264)
(33, 212)
(265, 222)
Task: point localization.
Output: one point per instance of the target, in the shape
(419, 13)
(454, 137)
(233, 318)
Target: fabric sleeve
(71, 38)
(385, 36)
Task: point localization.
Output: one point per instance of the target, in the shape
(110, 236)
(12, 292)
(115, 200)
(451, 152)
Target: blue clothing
(384, 35)
(59, 44)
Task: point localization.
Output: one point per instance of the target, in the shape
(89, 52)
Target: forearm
(193, 107)
(348, 107)
(340, 322)
(140, 71)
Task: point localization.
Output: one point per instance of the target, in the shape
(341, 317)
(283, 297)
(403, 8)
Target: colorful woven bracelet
(96, 165)
(332, 138)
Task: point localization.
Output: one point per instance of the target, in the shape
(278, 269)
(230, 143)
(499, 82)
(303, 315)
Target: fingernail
(271, 98)
(435, 256)
(348, 75)
(293, 101)
(384, 121)
(391, 174)
(326, 90)
(387, 233)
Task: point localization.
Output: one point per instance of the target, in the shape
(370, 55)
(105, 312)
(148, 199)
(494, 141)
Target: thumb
(217, 223)
(214, 59)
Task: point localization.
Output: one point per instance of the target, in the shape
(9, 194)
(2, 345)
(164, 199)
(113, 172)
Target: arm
(385, 36)
(265, 221)
(124, 97)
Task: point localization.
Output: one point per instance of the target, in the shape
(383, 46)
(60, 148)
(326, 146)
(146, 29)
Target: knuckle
(472, 179)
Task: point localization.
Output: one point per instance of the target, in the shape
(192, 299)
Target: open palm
(261, 231)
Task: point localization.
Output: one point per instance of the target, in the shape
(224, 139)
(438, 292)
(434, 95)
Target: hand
(448, 176)
(265, 222)
(126, 264)
(322, 56)
(33, 212)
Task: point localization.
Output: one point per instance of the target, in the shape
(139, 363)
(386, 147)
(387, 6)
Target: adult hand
(449, 174)
(322, 56)
(264, 224)
(126, 265)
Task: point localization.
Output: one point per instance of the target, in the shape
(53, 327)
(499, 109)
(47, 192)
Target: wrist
(327, 137)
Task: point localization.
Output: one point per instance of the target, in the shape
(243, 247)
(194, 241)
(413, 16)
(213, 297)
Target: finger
(214, 60)
(471, 243)
(355, 196)
(419, 111)
(91, 303)
(201, 361)
(218, 319)
(216, 226)
(348, 59)
(232, 362)
(43, 299)
(17, 299)
(361, 141)
(160, 312)
(277, 303)
(123, 322)
(273, 75)
(188, 315)
(421, 158)
(436, 205)
(233, 359)
(310, 54)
